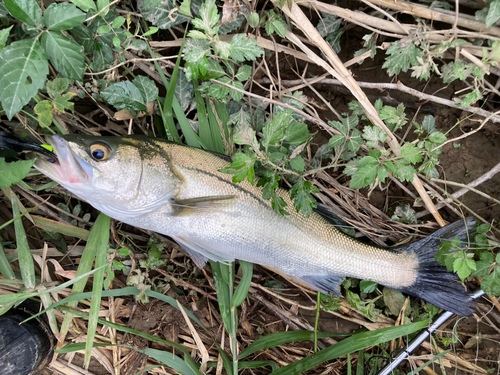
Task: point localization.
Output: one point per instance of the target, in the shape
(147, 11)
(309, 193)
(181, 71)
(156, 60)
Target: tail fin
(434, 284)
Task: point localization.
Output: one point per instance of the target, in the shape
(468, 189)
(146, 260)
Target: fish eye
(100, 151)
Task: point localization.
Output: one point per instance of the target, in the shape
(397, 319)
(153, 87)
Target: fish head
(121, 176)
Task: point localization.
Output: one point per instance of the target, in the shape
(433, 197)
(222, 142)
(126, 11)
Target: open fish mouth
(69, 167)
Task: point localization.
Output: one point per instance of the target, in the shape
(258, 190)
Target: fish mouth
(69, 167)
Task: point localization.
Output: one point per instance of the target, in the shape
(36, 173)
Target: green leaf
(208, 17)
(428, 124)
(103, 29)
(63, 102)
(27, 11)
(244, 49)
(66, 55)
(43, 109)
(365, 175)
(63, 16)
(298, 164)
(4, 35)
(491, 283)
(373, 135)
(368, 286)
(196, 49)
(27, 66)
(297, 133)
(336, 141)
(244, 73)
(394, 300)
(352, 344)
(274, 131)
(483, 228)
(185, 8)
(275, 25)
(56, 87)
(303, 200)
(124, 95)
(405, 214)
(241, 291)
(411, 153)
(118, 22)
(170, 360)
(483, 265)
(160, 13)
(471, 98)
(242, 167)
(328, 24)
(463, 264)
(354, 141)
(437, 137)
(401, 57)
(103, 57)
(147, 87)
(404, 172)
(253, 19)
(13, 173)
(493, 13)
(84, 5)
(281, 338)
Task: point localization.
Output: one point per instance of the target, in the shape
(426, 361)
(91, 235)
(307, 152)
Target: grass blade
(99, 238)
(203, 123)
(58, 227)
(223, 292)
(440, 355)
(241, 291)
(215, 129)
(5, 268)
(23, 250)
(258, 364)
(280, 338)
(354, 343)
(170, 360)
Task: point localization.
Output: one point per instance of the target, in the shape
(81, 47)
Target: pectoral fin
(191, 206)
(199, 253)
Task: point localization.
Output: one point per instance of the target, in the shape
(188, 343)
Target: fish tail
(434, 284)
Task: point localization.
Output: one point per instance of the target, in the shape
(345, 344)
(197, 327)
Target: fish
(180, 192)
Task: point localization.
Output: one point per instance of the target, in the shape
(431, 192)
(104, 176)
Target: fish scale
(180, 192)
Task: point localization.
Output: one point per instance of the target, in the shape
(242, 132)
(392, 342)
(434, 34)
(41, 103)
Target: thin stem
(234, 320)
(316, 321)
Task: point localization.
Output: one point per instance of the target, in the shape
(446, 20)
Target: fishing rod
(421, 337)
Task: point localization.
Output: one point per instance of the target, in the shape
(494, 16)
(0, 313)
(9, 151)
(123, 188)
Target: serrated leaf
(382, 174)
(437, 137)
(274, 131)
(184, 91)
(236, 95)
(363, 177)
(63, 103)
(222, 49)
(302, 198)
(275, 25)
(4, 35)
(63, 16)
(373, 134)
(336, 141)
(196, 49)
(147, 88)
(218, 91)
(208, 17)
(13, 173)
(160, 13)
(242, 167)
(483, 265)
(244, 73)
(25, 68)
(43, 109)
(493, 13)
(404, 172)
(491, 283)
(124, 95)
(244, 49)
(401, 57)
(56, 87)
(483, 228)
(405, 214)
(471, 98)
(27, 11)
(66, 55)
(298, 163)
(297, 133)
(354, 141)
(411, 153)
